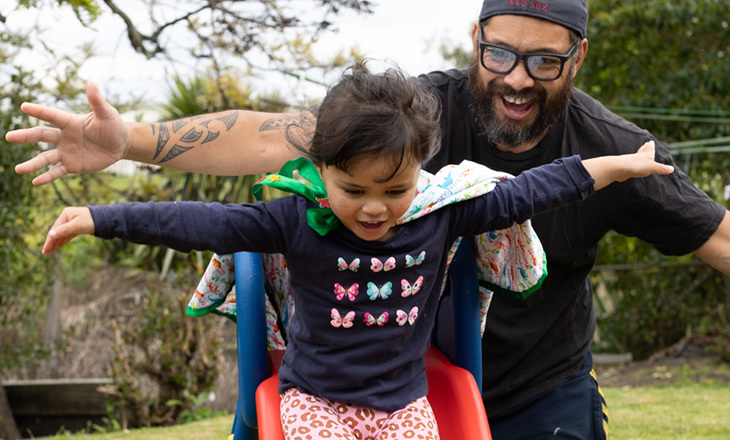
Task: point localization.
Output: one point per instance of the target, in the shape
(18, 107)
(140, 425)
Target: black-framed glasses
(540, 66)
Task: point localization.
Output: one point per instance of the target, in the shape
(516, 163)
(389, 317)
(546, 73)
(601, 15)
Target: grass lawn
(217, 428)
(668, 401)
(684, 412)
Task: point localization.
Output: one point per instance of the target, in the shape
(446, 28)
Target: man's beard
(508, 133)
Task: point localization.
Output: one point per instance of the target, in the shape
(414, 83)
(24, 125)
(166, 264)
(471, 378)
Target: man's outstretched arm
(716, 250)
(234, 142)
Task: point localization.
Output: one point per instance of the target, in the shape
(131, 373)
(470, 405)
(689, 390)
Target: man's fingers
(33, 135)
(50, 175)
(53, 116)
(98, 104)
(42, 160)
(47, 158)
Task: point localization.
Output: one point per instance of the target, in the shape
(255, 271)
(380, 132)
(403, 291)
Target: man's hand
(84, 143)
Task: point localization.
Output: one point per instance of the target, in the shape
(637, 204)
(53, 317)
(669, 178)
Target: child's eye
(353, 192)
(396, 192)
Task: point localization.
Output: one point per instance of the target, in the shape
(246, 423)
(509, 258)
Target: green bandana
(321, 219)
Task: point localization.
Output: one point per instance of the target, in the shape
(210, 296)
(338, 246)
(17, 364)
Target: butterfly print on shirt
(377, 265)
(410, 289)
(342, 321)
(350, 292)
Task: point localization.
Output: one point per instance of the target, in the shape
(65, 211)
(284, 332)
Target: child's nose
(374, 207)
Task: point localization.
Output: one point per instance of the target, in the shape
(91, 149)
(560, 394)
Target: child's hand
(642, 164)
(608, 169)
(73, 221)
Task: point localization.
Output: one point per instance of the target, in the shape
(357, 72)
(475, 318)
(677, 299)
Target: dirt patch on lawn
(693, 365)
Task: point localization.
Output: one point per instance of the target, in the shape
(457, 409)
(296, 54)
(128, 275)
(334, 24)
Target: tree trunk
(8, 428)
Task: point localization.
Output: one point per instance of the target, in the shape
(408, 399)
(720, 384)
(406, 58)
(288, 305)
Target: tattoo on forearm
(191, 138)
(177, 125)
(229, 120)
(161, 139)
(211, 136)
(192, 135)
(175, 151)
(282, 122)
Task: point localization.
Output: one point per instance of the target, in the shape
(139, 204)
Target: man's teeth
(516, 100)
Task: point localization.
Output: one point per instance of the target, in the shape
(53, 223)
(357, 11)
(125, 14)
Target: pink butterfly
(409, 289)
(351, 292)
(404, 317)
(342, 264)
(344, 321)
(378, 265)
(380, 320)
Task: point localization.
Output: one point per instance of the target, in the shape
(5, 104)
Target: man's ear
(475, 40)
(582, 52)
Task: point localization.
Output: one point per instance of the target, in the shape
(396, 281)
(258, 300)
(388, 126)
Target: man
(513, 109)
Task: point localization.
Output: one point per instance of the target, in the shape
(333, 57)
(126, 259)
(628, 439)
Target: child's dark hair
(369, 116)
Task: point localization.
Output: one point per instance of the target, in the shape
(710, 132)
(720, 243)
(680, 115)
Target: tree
(236, 27)
(262, 33)
(25, 278)
(275, 33)
(16, 299)
(663, 64)
(459, 56)
(661, 54)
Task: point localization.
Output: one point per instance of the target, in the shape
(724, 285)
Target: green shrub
(161, 359)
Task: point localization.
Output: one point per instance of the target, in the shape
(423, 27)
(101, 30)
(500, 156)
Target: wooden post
(53, 318)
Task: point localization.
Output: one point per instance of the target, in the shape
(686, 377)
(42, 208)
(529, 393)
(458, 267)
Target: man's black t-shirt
(532, 345)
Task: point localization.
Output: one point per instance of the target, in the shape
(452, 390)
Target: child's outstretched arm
(608, 169)
(184, 226)
(73, 221)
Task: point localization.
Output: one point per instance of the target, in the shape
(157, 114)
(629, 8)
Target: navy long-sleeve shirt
(364, 309)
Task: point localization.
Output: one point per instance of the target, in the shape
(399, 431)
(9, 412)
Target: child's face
(364, 203)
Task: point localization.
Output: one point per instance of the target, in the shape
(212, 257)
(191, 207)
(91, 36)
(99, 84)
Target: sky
(407, 32)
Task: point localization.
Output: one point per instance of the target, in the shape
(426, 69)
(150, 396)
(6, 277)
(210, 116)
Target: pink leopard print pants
(306, 417)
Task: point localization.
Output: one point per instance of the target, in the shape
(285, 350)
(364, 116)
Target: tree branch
(232, 26)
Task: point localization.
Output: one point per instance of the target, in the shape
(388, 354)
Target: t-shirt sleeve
(186, 226)
(668, 211)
